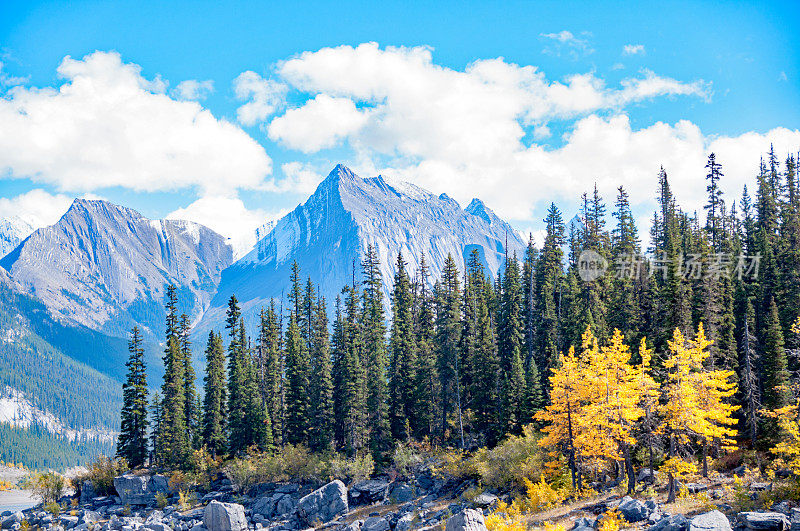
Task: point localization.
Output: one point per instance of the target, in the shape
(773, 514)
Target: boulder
(405, 522)
(401, 493)
(140, 490)
(14, 518)
(67, 521)
(782, 507)
(694, 488)
(760, 487)
(88, 492)
(352, 526)
(763, 521)
(633, 510)
(369, 491)
(794, 519)
(157, 526)
(486, 499)
(740, 470)
(583, 524)
(375, 523)
(644, 475)
(676, 522)
(220, 516)
(710, 521)
(466, 520)
(90, 517)
(324, 504)
(284, 505)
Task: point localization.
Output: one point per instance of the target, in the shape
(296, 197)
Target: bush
(507, 518)
(353, 469)
(407, 458)
(53, 508)
(101, 473)
(541, 496)
(47, 486)
(611, 521)
(161, 500)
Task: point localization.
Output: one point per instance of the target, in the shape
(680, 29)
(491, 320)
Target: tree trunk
(630, 471)
(705, 458)
(671, 495)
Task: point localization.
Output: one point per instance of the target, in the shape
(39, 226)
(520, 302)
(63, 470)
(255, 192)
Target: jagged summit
(330, 232)
(107, 267)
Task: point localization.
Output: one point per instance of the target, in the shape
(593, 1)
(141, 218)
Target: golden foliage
(541, 496)
(506, 518)
(611, 521)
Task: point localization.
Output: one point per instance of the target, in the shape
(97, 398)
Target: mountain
(107, 267)
(12, 231)
(329, 233)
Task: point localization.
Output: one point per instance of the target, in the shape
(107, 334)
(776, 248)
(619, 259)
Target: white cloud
(318, 124)
(633, 49)
(565, 42)
(194, 90)
(8, 80)
(300, 178)
(229, 217)
(263, 97)
(106, 125)
(36, 207)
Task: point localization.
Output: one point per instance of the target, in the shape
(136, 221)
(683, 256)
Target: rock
(369, 491)
(14, 518)
(140, 490)
(220, 516)
(324, 504)
(694, 488)
(764, 521)
(88, 492)
(633, 510)
(583, 524)
(68, 522)
(485, 499)
(90, 517)
(157, 526)
(401, 493)
(466, 520)
(677, 522)
(375, 523)
(740, 471)
(783, 473)
(644, 475)
(264, 506)
(782, 507)
(285, 505)
(760, 487)
(405, 522)
(353, 526)
(710, 521)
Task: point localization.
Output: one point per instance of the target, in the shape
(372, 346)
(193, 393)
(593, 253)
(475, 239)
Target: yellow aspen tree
(788, 417)
(695, 405)
(563, 417)
(649, 393)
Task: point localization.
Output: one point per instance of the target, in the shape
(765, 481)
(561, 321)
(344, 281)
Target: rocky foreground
(427, 502)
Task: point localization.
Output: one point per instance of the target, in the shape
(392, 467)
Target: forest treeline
(467, 359)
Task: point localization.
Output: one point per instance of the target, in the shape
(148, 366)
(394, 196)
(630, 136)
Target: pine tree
(298, 385)
(549, 287)
(271, 368)
(321, 381)
(215, 397)
(192, 414)
(403, 365)
(132, 443)
(713, 206)
(426, 381)
(374, 342)
(237, 379)
(448, 339)
(774, 365)
(352, 390)
(509, 340)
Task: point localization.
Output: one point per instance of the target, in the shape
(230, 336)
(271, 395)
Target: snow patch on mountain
(16, 409)
(12, 231)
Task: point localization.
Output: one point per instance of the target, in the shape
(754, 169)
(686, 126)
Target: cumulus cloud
(191, 89)
(633, 49)
(566, 43)
(106, 125)
(229, 217)
(36, 207)
(474, 132)
(263, 97)
(318, 124)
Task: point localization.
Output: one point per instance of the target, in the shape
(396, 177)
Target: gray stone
(583, 524)
(401, 493)
(782, 507)
(157, 526)
(140, 490)
(676, 522)
(740, 470)
(369, 491)
(68, 521)
(763, 521)
(405, 522)
(644, 475)
(485, 499)
(264, 506)
(88, 492)
(794, 518)
(90, 517)
(710, 521)
(220, 516)
(285, 505)
(466, 520)
(324, 504)
(14, 518)
(760, 487)
(352, 526)
(375, 523)
(633, 510)
(694, 488)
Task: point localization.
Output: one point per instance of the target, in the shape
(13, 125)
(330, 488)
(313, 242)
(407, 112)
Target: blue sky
(695, 76)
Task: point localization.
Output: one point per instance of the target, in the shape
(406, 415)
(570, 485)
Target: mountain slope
(329, 233)
(12, 231)
(107, 267)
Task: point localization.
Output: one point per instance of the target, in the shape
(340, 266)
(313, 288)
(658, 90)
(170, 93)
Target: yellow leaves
(678, 467)
(789, 446)
(506, 518)
(541, 495)
(697, 398)
(612, 521)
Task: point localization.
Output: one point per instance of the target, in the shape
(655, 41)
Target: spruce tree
(321, 381)
(426, 381)
(237, 406)
(215, 397)
(298, 423)
(774, 364)
(403, 366)
(132, 443)
(448, 339)
(192, 414)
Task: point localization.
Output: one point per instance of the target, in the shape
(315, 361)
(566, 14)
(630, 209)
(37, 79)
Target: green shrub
(47, 486)
(101, 472)
(352, 469)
